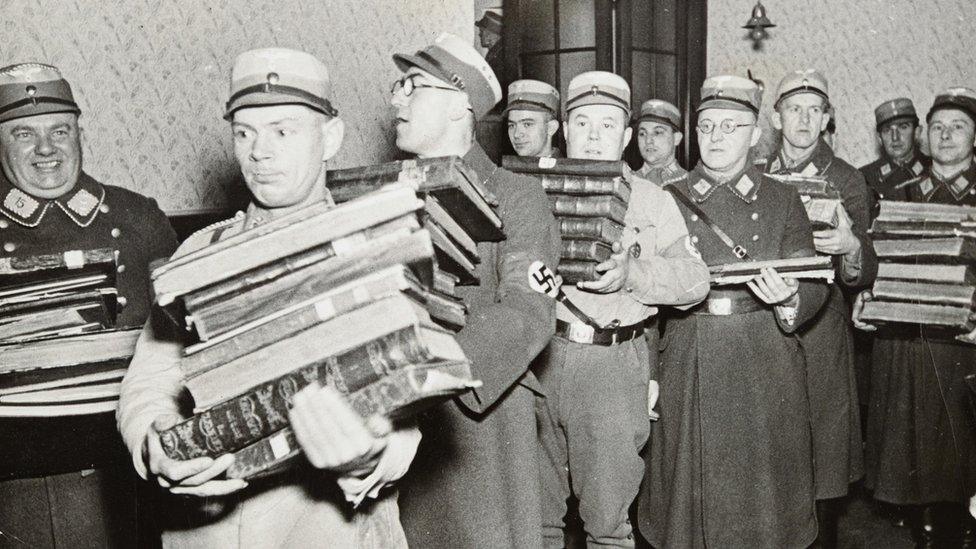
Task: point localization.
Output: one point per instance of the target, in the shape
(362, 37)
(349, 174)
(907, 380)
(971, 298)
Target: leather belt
(726, 306)
(578, 332)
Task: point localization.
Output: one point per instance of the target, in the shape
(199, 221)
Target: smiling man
(597, 374)
(64, 481)
(801, 114)
(532, 114)
(285, 129)
(921, 448)
(475, 482)
(658, 137)
(901, 160)
(730, 463)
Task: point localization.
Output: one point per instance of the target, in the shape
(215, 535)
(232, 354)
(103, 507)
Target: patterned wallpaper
(869, 50)
(151, 76)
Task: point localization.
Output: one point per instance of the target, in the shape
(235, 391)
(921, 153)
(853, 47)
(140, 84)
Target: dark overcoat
(729, 463)
(828, 342)
(921, 438)
(886, 178)
(475, 480)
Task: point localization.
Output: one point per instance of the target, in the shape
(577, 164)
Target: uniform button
(755, 216)
(103, 208)
(4, 223)
(880, 195)
(755, 237)
(116, 232)
(121, 268)
(694, 217)
(9, 247)
(694, 240)
(122, 301)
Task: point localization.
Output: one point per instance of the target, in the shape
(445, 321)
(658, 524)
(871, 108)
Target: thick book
(588, 250)
(402, 394)
(586, 186)
(959, 248)
(800, 267)
(310, 227)
(939, 316)
(958, 295)
(457, 188)
(590, 228)
(893, 210)
(823, 212)
(68, 352)
(949, 274)
(265, 330)
(53, 378)
(34, 270)
(573, 271)
(322, 343)
(588, 206)
(565, 166)
(59, 314)
(447, 310)
(413, 249)
(434, 212)
(808, 186)
(881, 229)
(450, 256)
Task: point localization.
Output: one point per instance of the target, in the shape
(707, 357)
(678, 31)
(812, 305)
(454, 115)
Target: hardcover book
(566, 166)
(950, 274)
(958, 319)
(799, 267)
(588, 206)
(587, 250)
(924, 292)
(590, 228)
(959, 248)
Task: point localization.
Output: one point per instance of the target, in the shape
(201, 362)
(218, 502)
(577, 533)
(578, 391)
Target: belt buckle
(581, 333)
(739, 251)
(720, 306)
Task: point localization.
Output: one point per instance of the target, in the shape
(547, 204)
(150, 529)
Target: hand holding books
(839, 240)
(858, 308)
(193, 477)
(613, 271)
(774, 289)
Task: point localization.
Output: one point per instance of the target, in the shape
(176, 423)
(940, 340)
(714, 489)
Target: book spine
(262, 410)
(564, 166)
(575, 185)
(576, 271)
(588, 206)
(596, 228)
(959, 274)
(406, 392)
(74, 259)
(588, 250)
(264, 456)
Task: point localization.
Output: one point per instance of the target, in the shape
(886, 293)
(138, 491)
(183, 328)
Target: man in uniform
(64, 482)
(921, 445)
(597, 374)
(475, 482)
(533, 118)
(285, 129)
(730, 463)
(801, 115)
(901, 160)
(658, 137)
(490, 28)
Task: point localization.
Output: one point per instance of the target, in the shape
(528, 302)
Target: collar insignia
(20, 203)
(885, 170)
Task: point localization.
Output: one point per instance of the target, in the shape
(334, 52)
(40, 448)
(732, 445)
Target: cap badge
(272, 78)
(31, 92)
(595, 90)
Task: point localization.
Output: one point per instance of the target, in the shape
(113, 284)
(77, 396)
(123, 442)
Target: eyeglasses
(407, 84)
(728, 126)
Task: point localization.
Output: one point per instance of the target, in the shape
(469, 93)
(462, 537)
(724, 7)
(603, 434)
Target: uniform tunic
(921, 446)
(596, 422)
(729, 464)
(885, 177)
(475, 480)
(300, 508)
(56, 503)
(827, 340)
(658, 176)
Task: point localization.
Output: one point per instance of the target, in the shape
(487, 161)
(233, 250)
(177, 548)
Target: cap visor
(268, 100)
(659, 120)
(41, 108)
(598, 100)
(724, 104)
(405, 61)
(522, 106)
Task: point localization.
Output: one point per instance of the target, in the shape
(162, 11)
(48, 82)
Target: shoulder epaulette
(218, 225)
(674, 179)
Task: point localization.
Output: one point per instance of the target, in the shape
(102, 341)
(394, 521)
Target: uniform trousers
(593, 426)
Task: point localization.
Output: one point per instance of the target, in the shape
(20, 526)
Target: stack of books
(814, 267)
(59, 353)
(66, 375)
(335, 295)
(589, 199)
(927, 269)
(458, 210)
(819, 197)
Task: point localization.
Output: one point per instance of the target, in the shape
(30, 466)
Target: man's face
(422, 118)
(597, 132)
(898, 138)
(721, 152)
(657, 142)
(952, 136)
(801, 118)
(281, 150)
(530, 132)
(488, 37)
(41, 154)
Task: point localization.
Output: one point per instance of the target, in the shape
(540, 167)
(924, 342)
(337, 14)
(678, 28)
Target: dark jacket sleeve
(798, 242)
(502, 337)
(857, 201)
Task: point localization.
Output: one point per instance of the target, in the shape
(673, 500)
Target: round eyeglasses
(728, 126)
(407, 84)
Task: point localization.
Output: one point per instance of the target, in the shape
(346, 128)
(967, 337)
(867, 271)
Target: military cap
(29, 89)
(532, 95)
(802, 81)
(661, 111)
(730, 92)
(490, 21)
(598, 88)
(279, 76)
(901, 107)
(960, 98)
(457, 63)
